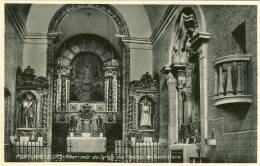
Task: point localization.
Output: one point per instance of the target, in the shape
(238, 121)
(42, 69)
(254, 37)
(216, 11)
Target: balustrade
(231, 79)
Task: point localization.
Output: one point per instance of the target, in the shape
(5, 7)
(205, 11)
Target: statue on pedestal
(145, 115)
(28, 112)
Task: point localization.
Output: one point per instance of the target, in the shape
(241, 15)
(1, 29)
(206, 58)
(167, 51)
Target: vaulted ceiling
(41, 12)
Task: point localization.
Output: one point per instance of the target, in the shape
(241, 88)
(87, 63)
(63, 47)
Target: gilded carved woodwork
(86, 78)
(30, 119)
(122, 81)
(143, 115)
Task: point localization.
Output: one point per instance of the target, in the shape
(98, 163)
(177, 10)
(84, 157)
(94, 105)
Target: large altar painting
(87, 80)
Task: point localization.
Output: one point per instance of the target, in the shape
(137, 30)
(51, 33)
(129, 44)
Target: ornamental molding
(42, 38)
(29, 81)
(146, 83)
(22, 30)
(169, 15)
(229, 58)
(108, 9)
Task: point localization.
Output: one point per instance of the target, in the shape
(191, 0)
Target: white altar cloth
(86, 144)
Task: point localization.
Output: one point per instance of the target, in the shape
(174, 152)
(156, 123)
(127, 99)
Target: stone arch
(200, 20)
(188, 46)
(107, 9)
(122, 29)
(99, 47)
(64, 11)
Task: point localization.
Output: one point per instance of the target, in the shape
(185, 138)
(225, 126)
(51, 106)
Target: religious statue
(145, 115)
(86, 126)
(78, 124)
(100, 123)
(91, 127)
(73, 123)
(28, 112)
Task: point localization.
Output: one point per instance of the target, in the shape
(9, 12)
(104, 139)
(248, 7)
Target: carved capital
(64, 71)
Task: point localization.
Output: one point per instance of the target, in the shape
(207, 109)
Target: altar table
(86, 144)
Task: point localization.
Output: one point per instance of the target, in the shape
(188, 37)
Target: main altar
(86, 96)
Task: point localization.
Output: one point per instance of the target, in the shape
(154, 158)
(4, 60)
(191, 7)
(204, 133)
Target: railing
(138, 153)
(120, 152)
(231, 79)
(26, 152)
(198, 160)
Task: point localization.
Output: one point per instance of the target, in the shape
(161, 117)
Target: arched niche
(30, 115)
(87, 70)
(146, 113)
(26, 110)
(142, 114)
(188, 65)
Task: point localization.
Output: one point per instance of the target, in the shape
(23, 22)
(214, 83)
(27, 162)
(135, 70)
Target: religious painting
(87, 80)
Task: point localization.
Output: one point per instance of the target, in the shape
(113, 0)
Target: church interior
(130, 83)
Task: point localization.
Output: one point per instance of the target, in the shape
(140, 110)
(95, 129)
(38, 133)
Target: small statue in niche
(86, 126)
(91, 127)
(28, 111)
(146, 114)
(78, 124)
(100, 123)
(73, 123)
(110, 117)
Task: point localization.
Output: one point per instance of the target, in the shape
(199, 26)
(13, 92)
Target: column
(189, 104)
(106, 90)
(220, 88)
(65, 89)
(239, 86)
(114, 92)
(173, 111)
(58, 95)
(229, 89)
(216, 82)
(62, 90)
(51, 96)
